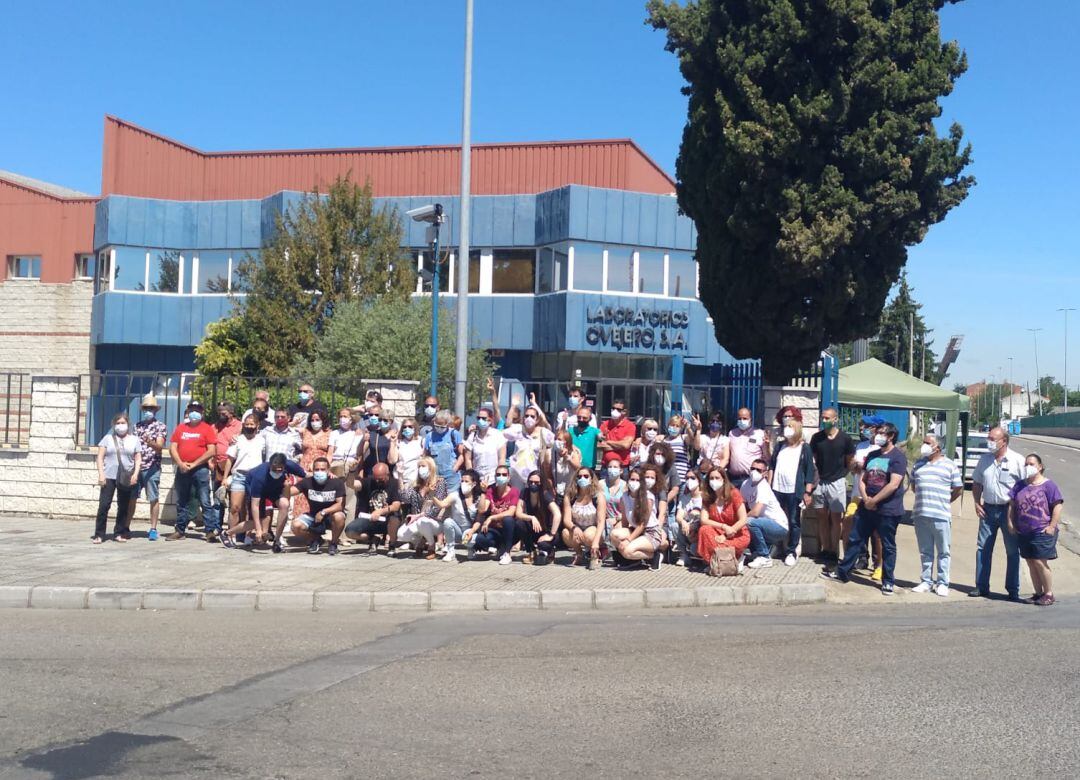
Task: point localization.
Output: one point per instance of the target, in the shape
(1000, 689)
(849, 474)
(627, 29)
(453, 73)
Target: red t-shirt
(623, 429)
(225, 435)
(193, 441)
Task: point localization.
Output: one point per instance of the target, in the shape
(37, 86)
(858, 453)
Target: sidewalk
(51, 563)
(1060, 441)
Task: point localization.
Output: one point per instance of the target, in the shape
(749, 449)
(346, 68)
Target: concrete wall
(45, 328)
(807, 399)
(52, 477)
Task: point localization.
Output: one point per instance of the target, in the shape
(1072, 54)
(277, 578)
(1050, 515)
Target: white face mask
(1030, 471)
(530, 422)
(316, 425)
(756, 476)
(992, 445)
(659, 460)
(650, 482)
(650, 435)
(691, 485)
(633, 485)
(615, 414)
(789, 432)
(881, 439)
(716, 484)
(121, 429)
(926, 450)
(423, 472)
(614, 472)
(346, 423)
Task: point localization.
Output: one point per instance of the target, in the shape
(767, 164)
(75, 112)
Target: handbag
(123, 473)
(723, 563)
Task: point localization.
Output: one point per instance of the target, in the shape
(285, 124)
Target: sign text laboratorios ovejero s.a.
(636, 328)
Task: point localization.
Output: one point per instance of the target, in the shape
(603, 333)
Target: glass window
(588, 267)
(562, 269)
(620, 269)
(513, 270)
(243, 266)
(546, 271)
(165, 270)
(101, 272)
(213, 272)
(651, 272)
(84, 266)
(682, 275)
(130, 273)
(24, 267)
(474, 270)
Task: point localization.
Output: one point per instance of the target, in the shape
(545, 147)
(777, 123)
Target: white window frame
(79, 258)
(487, 270)
(637, 272)
(604, 270)
(570, 268)
(11, 261)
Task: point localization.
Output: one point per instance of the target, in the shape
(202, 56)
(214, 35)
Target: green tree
(809, 161)
(223, 352)
(893, 342)
(391, 337)
(326, 252)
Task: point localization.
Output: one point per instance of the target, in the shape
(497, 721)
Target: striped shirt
(682, 463)
(934, 482)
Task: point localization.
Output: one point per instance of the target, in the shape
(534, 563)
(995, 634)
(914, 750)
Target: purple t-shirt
(1034, 505)
(880, 466)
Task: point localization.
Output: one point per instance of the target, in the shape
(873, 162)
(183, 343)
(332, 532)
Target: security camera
(432, 212)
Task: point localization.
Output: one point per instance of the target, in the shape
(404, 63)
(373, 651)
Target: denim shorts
(310, 524)
(1038, 546)
(149, 480)
(237, 482)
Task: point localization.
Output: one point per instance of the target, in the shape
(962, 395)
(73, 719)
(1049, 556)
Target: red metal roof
(38, 218)
(139, 162)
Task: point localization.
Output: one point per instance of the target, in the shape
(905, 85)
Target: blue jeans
(792, 506)
(933, 533)
(867, 521)
(451, 532)
(501, 538)
(199, 481)
(996, 519)
(764, 533)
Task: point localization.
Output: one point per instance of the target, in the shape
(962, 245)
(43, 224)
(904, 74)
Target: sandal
(118, 538)
(96, 540)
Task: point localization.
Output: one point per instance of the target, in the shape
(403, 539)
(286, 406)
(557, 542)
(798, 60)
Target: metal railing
(14, 408)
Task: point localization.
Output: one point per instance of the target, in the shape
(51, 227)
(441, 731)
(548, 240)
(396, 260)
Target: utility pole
(1065, 378)
(911, 343)
(1012, 390)
(462, 351)
(1038, 379)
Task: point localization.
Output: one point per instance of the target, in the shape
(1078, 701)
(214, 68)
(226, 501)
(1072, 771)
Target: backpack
(723, 563)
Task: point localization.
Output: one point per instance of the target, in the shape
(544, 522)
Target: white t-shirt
(456, 512)
(712, 449)
(787, 469)
(527, 452)
(345, 443)
(129, 446)
(688, 503)
(409, 453)
(761, 493)
(485, 453)
(247, 453)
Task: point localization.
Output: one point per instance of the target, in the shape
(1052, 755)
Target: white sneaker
(492, 550)
(761, 562)
(682, 560)
(942, 590)
(790, 560)
(922, 587)
(505, 559)
(740, 566)
(450, 554)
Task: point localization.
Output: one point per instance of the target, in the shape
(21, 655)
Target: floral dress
(710, 537)
(312, 446)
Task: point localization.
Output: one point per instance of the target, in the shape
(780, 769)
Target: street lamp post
(1038, 379)
(1065, 379)
(1012, 390)
(433, 215)
(461, 354)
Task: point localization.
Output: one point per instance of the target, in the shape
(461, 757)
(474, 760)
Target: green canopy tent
(875, 385)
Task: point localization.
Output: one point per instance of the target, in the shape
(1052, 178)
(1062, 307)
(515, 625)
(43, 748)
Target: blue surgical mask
(575, 402)
(407, 432)
(501, 479)
(672, 430)
(583, 481)
(276, 474)
(320, 476)
(483, 423)
(195, 417)
(744, 425)
(440, 429)
(384, 425)
(147, 415)
(304, 396)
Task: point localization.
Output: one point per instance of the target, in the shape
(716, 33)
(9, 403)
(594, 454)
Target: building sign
(634, 328)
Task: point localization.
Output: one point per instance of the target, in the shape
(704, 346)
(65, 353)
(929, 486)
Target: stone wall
(807, 399)
(45, 328)
(51, 476)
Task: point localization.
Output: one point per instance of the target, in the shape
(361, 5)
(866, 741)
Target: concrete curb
(55, 597)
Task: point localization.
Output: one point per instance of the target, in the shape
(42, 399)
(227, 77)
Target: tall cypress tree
(810, 161)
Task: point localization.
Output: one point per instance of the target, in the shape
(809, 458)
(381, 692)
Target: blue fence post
(676, 384)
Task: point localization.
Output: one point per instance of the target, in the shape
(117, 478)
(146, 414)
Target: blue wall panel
(666, 217)
(647, 235)
(524, 221)
(502, 223)
(613, 216)
(482, 219)
(631, 215)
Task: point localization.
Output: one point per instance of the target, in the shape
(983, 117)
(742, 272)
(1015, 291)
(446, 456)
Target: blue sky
(223, 75)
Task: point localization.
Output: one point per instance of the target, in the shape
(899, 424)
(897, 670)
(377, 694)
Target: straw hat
(149, 401)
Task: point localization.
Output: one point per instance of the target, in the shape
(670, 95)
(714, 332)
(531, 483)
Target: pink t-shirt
(744, 447)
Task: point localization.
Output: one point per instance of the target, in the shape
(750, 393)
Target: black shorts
(1038, 546)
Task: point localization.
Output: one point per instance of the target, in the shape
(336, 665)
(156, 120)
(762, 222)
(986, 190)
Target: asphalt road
(927, 690)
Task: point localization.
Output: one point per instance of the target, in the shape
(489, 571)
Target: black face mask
(249, 431)
(534, 488)
(380, 484)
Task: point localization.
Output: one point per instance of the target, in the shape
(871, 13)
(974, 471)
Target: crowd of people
(617, 492)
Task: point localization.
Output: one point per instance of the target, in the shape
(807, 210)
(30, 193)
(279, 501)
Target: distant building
(1023, 404)
(971, 391)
